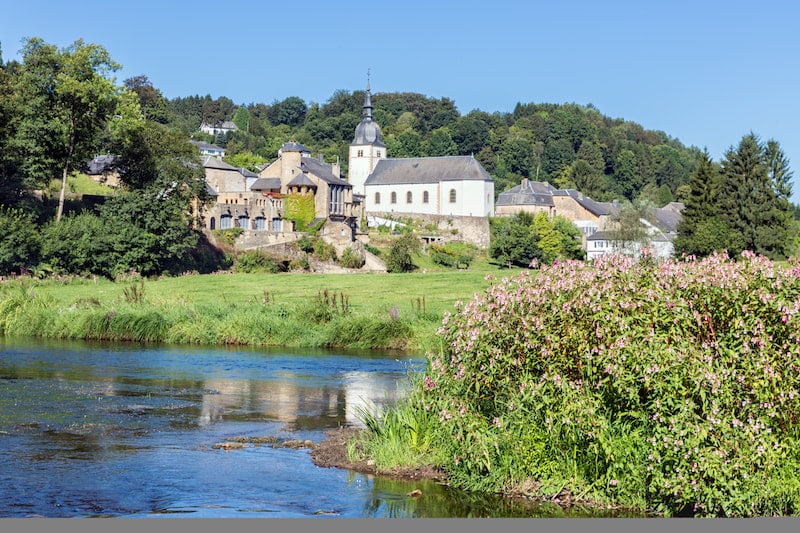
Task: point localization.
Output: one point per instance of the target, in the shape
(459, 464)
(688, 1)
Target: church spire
(367, 101)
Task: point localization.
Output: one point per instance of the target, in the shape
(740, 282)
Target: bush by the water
(670, 386)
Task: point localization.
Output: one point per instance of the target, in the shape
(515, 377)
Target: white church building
(449, 186)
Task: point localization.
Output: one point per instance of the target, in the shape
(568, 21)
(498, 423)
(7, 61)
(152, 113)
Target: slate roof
(266, 184)
(300, 180)
(321, 170)
(534, 193)
(669, 216)
(595, 208)
(100, 164)
(209, 161)
(292, 146)
(202, 145)
(418, 170)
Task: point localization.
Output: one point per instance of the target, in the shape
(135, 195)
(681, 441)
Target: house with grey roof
(216, 129)
(209, 149)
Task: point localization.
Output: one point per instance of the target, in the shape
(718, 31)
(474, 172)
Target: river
(129, 430)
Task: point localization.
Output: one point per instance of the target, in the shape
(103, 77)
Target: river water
(128, 430)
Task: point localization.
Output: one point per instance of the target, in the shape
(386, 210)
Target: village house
(215, 129)
(594, 219)
(209, 149)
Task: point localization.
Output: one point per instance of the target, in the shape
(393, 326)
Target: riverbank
(382, 311)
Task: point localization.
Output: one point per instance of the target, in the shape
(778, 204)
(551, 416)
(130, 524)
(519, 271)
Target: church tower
(366, 149)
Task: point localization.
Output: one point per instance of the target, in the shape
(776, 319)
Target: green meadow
(378, 311)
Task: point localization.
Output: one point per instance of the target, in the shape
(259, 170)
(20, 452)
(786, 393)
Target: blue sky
(704, 72)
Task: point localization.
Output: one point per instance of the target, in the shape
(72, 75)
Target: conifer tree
(753, 197)
(701, 230)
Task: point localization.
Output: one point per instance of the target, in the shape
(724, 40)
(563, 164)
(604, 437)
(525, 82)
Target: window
(409, 198)
(377, 198)
(260, 223)
(225, 222)
(424, 197)
(452, 196)
(361, 153)
(379, 153)
(394, 197)
(243, 222)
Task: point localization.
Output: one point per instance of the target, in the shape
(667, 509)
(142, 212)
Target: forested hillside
(569, 145)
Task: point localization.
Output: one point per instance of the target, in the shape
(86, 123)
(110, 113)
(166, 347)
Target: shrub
(19, 247)
(351, 259)
(400, 259)
(454, 254)
(252, 262)
(323, 250)
(672, 386)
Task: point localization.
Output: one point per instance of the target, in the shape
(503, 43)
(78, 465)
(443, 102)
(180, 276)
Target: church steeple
(367, 101)
(367, 147)
(367, 132)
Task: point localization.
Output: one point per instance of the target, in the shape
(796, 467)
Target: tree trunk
(61, 195)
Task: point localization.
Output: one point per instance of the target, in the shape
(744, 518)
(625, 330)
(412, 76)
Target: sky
(705, 72)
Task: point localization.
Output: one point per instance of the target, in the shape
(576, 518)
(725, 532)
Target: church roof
(427, 170)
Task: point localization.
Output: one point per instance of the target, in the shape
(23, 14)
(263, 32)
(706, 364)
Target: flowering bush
(671, 386)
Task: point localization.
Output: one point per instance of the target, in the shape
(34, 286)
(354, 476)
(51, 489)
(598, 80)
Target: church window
(424, 197)
(377, 198)
(408, 197)
(361, 153)
(379, 153)
(452, 196)
(394, 197)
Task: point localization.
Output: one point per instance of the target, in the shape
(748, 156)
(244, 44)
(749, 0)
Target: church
(452, 186)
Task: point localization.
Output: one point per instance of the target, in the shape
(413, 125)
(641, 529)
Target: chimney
(524, 184)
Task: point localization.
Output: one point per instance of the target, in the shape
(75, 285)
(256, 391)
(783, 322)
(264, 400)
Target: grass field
(387, 311)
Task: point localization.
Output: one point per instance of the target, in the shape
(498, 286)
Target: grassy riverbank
(380, 311)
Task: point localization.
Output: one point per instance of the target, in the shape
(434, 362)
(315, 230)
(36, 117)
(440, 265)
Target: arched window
(225, 222)
(394, 197)
(377, 198)
(408, 197)
(424, 197)
(452, 196)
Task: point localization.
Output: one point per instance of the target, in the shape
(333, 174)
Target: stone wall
(474, 230)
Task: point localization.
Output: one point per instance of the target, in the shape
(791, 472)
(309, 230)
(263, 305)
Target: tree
(242, 119)
(627, 230)
(514, 240)
(701, 230)
(754, 198)
(65, 99)
(151, 102)
(400, 254)
(19, 247)
(290, 111)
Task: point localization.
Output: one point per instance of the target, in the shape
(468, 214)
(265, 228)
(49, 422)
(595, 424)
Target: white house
(215, 129)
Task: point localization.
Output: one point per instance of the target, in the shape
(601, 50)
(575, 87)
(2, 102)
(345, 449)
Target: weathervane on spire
(368, 69)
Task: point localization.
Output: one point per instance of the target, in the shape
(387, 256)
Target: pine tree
(701, 230)
(754, 198)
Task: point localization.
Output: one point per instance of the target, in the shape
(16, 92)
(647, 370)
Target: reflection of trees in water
(390, 500)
